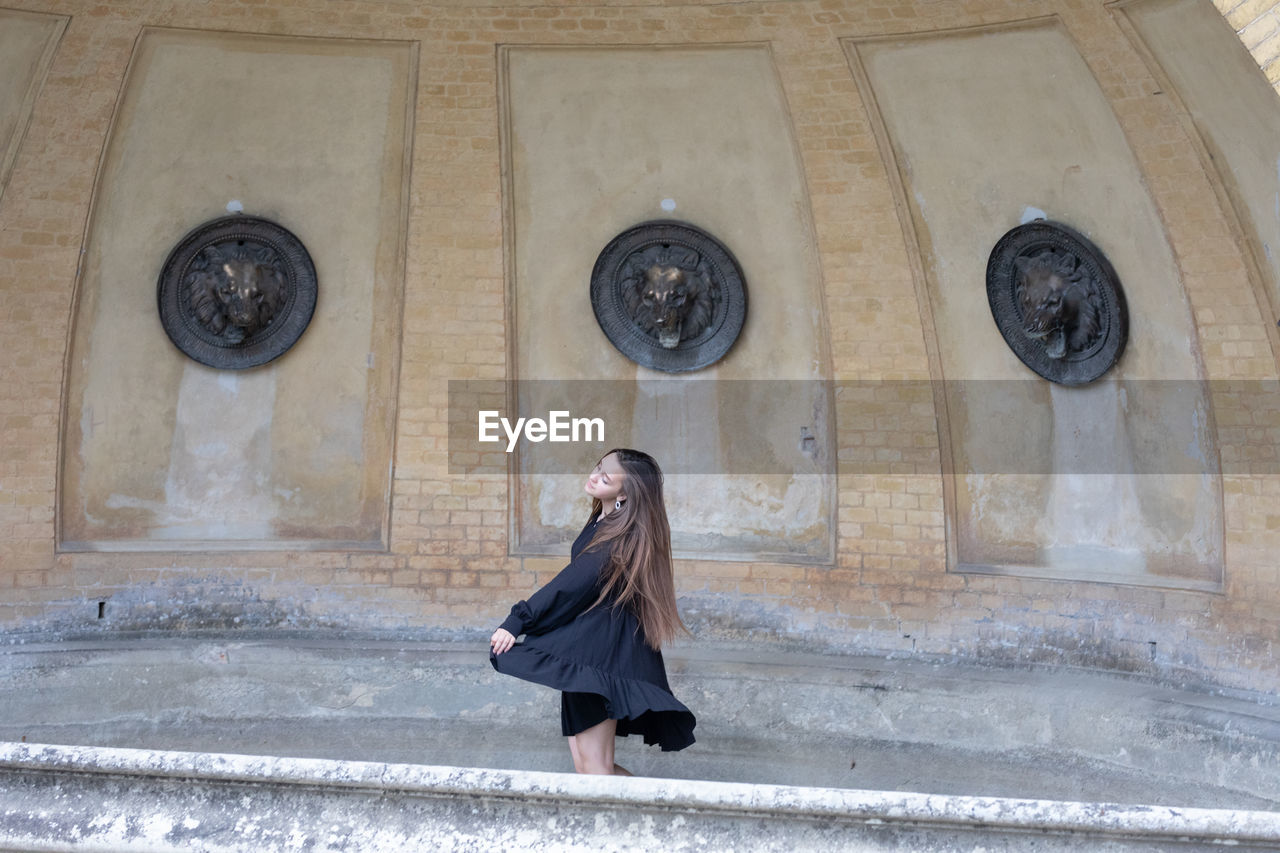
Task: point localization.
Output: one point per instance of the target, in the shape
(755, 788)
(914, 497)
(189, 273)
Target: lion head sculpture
(1059, 302)
(669, 293)
(235, 291)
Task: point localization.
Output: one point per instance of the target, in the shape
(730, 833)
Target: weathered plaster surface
(601, 140)
(160, 451)
(1024, 132)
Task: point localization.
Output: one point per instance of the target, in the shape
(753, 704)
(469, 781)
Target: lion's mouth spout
(1054, 338)
(1056, 347)
(1055, 342)
(669, 337)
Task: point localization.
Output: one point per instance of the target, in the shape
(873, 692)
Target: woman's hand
(501, 641)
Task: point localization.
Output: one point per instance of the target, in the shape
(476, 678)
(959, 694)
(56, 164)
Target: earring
(617, 504)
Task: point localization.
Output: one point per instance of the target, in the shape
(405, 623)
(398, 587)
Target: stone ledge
(91, 798)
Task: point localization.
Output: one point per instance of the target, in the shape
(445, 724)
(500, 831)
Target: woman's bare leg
(573, 750)
(593, 750)
(618, 769)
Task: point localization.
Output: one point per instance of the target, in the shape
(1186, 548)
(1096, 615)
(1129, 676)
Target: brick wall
(1257, 22)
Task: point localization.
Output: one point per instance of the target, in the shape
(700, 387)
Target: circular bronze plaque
(1058, 302)
(669, 296)
(237, 292)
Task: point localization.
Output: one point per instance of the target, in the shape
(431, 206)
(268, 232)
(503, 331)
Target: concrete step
(99, 799)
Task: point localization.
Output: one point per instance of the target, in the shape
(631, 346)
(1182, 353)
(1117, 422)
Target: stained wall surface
(601, 140)
(854, 292)
(1045, 474)
(159, 449)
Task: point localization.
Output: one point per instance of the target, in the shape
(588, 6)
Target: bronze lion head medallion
(669, 296)
(237, 292)
(1057, 301)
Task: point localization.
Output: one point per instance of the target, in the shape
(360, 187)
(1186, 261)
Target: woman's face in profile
(605, 480)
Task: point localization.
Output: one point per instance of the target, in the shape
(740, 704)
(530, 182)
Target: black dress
(580, 649)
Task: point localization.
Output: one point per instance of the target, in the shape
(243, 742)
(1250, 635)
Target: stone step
(99, 799)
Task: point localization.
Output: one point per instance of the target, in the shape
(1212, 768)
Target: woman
(595, 632)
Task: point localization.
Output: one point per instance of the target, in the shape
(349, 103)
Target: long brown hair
(638, 574)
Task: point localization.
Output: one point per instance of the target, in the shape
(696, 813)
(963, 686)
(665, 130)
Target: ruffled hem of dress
(641, 707)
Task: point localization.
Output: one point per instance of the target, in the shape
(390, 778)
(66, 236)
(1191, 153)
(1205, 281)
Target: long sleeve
(568, 594)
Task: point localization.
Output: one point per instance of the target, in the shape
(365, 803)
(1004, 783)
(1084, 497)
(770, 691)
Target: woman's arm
(568, 594)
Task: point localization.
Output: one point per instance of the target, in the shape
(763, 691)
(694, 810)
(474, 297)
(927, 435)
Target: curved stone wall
(857, 296)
